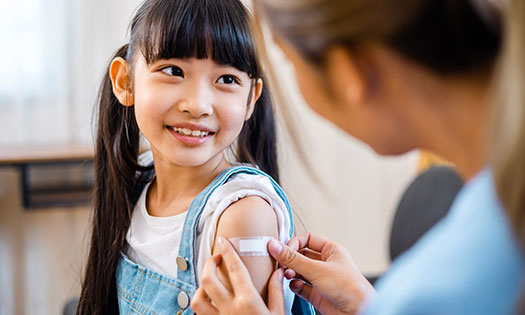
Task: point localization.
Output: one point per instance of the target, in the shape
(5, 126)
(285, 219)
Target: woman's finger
(292, 259)
(294, 243)
(297, 286)
(239, 276)
(311, 295)
(211, 283)
(308, 240)
(311, 254)
(275, 292)
(305, 291)
(290, 274)
(200, 304)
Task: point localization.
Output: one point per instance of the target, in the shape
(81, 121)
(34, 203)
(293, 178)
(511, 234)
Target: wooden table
(63, 158)
(42, 154)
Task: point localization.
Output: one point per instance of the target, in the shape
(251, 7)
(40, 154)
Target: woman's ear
(119, 73)
(256, 93)
(345, 78)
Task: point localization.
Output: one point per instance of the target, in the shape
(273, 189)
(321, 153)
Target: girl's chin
(194, 162)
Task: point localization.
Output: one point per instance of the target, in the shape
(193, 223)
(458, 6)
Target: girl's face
(190, 110)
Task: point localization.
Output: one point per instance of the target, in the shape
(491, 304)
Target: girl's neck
(456, 127)
(175, 186)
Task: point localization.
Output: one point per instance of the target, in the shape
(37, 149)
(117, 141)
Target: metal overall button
(182, 263)
(183, 300)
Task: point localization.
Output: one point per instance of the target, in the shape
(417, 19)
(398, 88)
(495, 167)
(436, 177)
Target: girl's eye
(228, 79)
(174, 71)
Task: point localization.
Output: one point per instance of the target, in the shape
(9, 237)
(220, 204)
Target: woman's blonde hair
(446, 36)
(507, 143)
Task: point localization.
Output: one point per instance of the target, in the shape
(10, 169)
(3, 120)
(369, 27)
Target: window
(34, 61)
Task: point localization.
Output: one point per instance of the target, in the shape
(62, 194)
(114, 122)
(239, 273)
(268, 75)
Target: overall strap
(187, 247)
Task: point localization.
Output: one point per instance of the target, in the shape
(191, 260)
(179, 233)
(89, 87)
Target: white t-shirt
(154, 241)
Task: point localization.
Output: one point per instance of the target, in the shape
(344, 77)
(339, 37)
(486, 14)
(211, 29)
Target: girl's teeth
(189, 132)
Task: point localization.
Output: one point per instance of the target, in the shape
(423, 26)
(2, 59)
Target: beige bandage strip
(251, 246)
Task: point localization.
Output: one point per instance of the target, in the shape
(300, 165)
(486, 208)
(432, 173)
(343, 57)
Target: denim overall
(146, 292)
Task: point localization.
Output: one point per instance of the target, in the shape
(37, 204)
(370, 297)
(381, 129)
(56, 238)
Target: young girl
(189, 82)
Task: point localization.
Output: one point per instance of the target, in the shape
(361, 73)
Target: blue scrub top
(469, 263)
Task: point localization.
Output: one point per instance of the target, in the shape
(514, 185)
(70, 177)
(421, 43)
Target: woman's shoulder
(470, 262)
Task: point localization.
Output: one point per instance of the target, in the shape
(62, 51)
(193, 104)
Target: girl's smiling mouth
(191, 134)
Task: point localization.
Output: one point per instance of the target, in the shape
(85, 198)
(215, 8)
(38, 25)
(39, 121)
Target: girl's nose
(196, 100)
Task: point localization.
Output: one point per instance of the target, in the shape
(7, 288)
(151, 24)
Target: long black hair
(163, 29)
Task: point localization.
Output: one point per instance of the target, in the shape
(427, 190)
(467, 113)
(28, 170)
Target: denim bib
(146, 292)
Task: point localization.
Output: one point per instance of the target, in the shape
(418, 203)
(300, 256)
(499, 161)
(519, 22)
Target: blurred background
(52, 58)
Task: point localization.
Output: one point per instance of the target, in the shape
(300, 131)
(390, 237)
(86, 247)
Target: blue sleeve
(469, 263)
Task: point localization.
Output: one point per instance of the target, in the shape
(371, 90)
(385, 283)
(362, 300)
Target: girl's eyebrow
(228, 66)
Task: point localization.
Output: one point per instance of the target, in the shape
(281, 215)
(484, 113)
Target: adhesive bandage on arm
(251, 246)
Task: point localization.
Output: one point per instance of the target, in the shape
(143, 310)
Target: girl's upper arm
(249, 217)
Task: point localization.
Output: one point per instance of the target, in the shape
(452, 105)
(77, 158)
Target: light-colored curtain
(34, 85)
(53, 54)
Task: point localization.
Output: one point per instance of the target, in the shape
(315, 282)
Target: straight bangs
(216, 29)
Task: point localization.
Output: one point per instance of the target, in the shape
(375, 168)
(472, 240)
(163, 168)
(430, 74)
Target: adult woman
(420, 77)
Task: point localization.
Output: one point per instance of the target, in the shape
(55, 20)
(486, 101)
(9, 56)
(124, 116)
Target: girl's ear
(256, 93)
(346, 79)
(119, 73)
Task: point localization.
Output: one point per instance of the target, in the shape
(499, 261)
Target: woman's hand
(212, 297)
(325, 273)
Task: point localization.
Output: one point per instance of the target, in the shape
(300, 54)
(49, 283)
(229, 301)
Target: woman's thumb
(289, 258)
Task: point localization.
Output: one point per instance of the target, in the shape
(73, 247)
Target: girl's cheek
(235, 107)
